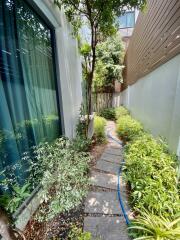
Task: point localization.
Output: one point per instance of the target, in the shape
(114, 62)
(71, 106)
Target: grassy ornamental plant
(153, 227)
(99, 129)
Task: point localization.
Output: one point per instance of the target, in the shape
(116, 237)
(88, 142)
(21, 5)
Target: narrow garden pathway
(104, 217)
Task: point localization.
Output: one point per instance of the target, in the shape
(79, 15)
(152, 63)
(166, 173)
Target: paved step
(113, 144)
(106, 228)
(104, 216)
(114, 150)
(109, 167)
(103, 203)
(111, 158)
(105, 180)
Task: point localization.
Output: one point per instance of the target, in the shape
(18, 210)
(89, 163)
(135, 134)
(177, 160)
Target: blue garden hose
(118, 185)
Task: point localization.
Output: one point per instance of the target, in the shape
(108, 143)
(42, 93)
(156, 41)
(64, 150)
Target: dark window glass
(127, 20)
(28, 97)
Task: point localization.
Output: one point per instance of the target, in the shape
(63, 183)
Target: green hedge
(150, 170)
(113, 113)
(62, 171)
(151, 173)
(108, 113)
(121, 111)
(128, 128)
(61, 168)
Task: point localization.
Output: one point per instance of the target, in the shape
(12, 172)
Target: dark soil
(56, 229)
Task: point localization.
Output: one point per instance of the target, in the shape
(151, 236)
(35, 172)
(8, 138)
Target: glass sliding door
(29, 111)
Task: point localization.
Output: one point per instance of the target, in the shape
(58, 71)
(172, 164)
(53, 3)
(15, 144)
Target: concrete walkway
(104, 218)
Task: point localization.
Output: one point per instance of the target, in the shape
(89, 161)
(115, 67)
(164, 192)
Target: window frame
(47, 22)
(126, 12)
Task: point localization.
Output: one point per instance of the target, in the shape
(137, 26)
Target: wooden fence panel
(102, 100)
(155, 40)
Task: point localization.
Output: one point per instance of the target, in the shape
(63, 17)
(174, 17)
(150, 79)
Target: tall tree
(109, 64)
(100, 16)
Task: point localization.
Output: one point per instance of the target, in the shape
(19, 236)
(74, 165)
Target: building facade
(40, 78)
(126, 24)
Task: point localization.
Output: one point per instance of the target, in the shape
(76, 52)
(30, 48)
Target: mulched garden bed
(56, 229)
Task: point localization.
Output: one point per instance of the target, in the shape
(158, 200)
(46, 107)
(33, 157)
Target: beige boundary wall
(155, 100)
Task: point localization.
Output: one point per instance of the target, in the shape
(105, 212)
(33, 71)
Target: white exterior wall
(155, 101)
(69, 65)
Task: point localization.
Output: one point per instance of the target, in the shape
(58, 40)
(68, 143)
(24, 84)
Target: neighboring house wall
(69, 65)
(125, 30)
(152, 75)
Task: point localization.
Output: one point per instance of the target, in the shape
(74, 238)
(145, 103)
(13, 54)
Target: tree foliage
(109, 64)
(100, 16)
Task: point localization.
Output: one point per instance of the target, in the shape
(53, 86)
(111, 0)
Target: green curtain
(28, 95)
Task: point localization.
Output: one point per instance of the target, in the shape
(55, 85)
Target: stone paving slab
(112, 143)
(111, 158)
(102, 203)
(107, 167)
(114, 151)
(115, 140)
(105, 180)
(105, 220)
(106, 228)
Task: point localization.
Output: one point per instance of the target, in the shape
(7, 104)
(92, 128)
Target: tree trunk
(5, 226)
(89, 92)
(91, 73)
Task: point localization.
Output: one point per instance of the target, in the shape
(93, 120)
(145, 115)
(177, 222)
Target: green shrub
(13, 193)
(81, 129)
(120, 111)
(152, 176)
(81, 144)
(108, 113)
(128, 128)
(62, 172)
(113, 113)
(60, 167)
(99, 129)
(150, 226)
(152, 173)
(12, 201)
